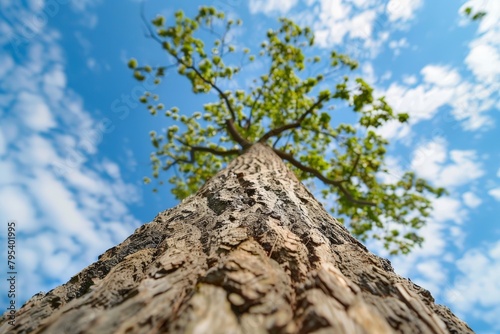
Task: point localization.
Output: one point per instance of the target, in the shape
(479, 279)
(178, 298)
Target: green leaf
(159, 21)
(138, 75)
(478, 16)
(132, 63)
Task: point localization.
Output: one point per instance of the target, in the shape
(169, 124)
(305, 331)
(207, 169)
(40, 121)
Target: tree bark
(251, 252)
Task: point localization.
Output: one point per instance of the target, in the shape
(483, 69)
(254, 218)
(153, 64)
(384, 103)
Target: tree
(251, 252)
(296, 113)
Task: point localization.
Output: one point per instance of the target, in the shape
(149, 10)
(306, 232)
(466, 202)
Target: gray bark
(251, 252)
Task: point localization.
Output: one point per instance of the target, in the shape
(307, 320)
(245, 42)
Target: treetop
(298, 107)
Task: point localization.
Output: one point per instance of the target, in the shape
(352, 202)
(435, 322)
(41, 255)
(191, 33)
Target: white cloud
(463, 169)
(398, 45)
(484, 55)
(369, 73)
(403, 10)
(495, 193)
(448, 209)
(362, 25)
(91, 63)
(338, 21)
(7, 64)
(364, 3)
(83, 5)
(3, 144)
(331, 25)
(34, 112)
(386, 76)
(16, 205)
(36, 5)
(394, 130)
(430, 162)
(442, 86)
(410, 80)
(484, 61)
(54, 82)
(37, 152)
(69, 205)
(432, 270)
(470, 104)
(444, 223)
(426, 265)
(476, 289)
(435, 241)
(470, 100)
(471, 200)
(60, 206)
(421, 102)
(83, 180)
(442, 76)
(270, 6)
(112, 169)
(395, 171)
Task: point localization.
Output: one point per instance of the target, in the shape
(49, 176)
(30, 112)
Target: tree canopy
(297, 106)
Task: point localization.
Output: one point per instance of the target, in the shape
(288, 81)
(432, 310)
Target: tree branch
(236, 135)
(147, 25)
(191, 67)
(296, 124)
(214, 86)
(209, 149)
(353, 167)
(276, 141)
(230, 122)
(167, 167)
(193, 151)
(249, 122)
(288, 157)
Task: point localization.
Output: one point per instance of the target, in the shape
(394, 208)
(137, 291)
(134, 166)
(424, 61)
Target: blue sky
(74, 142)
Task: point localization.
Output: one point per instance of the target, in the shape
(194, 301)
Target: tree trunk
(251, 252)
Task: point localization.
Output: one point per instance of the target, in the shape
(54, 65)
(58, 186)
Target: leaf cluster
(474, 15)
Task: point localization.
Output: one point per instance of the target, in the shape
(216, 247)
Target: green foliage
(291, 111)
(474, 16)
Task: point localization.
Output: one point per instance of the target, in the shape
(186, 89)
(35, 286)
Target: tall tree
(300, 115)
(251, 252)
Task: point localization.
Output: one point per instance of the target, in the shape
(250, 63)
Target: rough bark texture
(251, 252)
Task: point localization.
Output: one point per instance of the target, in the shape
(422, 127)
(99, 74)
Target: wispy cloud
(444, 234)
(495, 193)
(476, 289)
(433, 162)
(470, 99)
(471, 200)
(69, 204)
(440, 86)
(484, 54)
(361, 26)
(398, 45)
(271, 6)
(402, 10)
